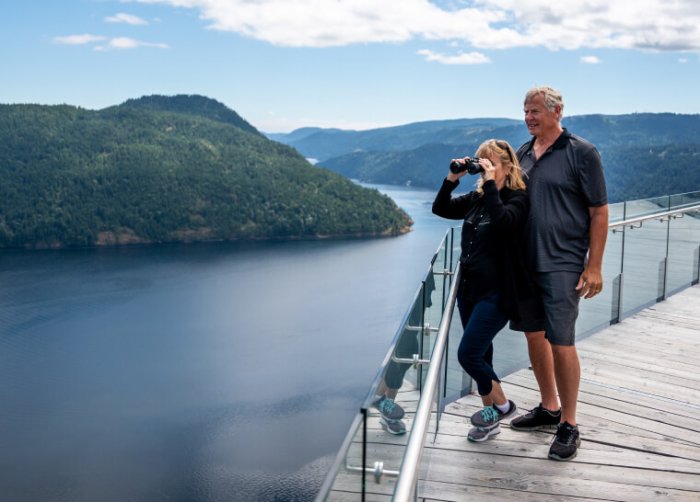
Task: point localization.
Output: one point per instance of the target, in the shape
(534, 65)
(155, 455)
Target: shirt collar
(560, 142)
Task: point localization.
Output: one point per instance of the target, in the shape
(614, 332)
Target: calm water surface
(199, 372)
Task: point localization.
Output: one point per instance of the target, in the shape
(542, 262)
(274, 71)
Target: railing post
(663, 285)
(616, 311)
(620, 282)
(696, 267)
(364, 452)
(421, 342)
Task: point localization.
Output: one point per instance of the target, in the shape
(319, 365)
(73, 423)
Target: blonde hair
(509, 162)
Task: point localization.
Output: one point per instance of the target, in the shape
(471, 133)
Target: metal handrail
(414, 448)
(673, 213)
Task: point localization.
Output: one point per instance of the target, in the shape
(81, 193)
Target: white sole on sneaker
(479, 434)
(478, 421)
(395, 427)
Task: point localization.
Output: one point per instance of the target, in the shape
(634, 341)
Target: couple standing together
(532, 245)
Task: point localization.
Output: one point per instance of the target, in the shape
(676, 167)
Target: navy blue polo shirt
(562, 184)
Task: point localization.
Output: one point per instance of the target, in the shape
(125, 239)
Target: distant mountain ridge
(644, 154)
(168, 169)
(322, 144)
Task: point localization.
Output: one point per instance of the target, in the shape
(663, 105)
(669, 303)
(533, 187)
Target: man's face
(538, 119)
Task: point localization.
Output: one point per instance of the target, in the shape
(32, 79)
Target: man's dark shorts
(560, 299)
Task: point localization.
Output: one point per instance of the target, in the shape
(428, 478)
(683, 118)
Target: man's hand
(590, 283)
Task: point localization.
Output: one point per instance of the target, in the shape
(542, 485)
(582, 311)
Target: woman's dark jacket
(492, 259)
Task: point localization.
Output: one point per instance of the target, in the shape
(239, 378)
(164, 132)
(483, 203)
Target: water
(198, 372)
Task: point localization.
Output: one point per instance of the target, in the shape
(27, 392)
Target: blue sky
(355, 64)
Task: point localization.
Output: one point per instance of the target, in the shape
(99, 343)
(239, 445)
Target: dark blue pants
(481, 321)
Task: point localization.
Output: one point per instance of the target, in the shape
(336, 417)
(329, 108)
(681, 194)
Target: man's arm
(591, 280)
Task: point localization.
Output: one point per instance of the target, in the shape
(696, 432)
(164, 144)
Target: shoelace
(489, 414)
(534, 411)
(388, 406)
(565, 435)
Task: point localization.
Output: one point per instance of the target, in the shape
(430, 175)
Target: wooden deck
(638, 413)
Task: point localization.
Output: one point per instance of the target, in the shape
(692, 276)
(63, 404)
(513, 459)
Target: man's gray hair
(552, 97)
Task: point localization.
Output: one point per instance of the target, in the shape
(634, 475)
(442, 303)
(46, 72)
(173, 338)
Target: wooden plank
(589, 452)
(435, 491)
(667, 385)
(621, 344)
(338, 496)
(612, 392)
(641, 360)
(594, 491)
(660, 329)
(546, 476)
(598, 418)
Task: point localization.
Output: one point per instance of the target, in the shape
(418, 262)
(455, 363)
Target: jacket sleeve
(509, 214)
(451, 208)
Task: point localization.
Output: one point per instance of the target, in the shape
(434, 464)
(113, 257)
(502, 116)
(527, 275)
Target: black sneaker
(537, 419)
(566, 442)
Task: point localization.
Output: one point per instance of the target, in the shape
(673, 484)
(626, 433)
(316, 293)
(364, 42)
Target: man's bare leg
(568, 376)
(542, 361)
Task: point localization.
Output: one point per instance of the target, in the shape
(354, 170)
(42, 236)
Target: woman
(494, 286)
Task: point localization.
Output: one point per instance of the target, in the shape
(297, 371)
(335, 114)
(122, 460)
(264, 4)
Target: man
(565, 239)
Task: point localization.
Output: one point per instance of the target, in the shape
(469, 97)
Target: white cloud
(683, 60)
(322, 23)
(78, 39)
(126, 18)
(590, 60)
(461, 58)
(128, 43)
(484, 24)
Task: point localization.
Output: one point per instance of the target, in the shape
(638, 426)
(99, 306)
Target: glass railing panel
(645, 207)
(374, 451)
(599, 311)
(456, 381)
(616, 212)
(643, 265)
(346, 479)
(433, 427)
(683, 251)
(682, 200)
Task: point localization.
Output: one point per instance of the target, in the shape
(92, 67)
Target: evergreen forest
(168, 169)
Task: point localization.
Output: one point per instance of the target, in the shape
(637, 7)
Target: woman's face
(500, 174)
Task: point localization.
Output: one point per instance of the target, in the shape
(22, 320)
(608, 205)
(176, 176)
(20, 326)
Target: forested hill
(167, 169)
(644, 154)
